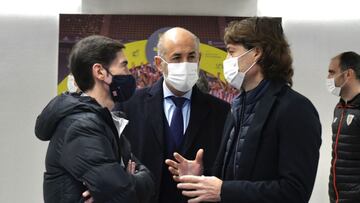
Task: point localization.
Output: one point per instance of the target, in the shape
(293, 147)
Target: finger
(179, 158)
(176, 178)
(90, 200)
(86, 193)
(133, 166)
(188, 186)
(192, 193)
(171, 163)
(173, 171)
(196, 200)
(199, 156)
(190, 179)
(128, 168)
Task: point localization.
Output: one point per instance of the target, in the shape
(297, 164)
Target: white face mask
(330, 84)
(232, 73)
(182, 76)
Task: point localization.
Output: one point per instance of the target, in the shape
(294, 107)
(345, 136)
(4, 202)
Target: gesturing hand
(201, 188)
(181, 166)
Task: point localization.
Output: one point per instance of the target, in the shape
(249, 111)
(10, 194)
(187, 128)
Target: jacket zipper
(336, 156)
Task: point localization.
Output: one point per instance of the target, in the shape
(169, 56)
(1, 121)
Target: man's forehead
(335, 62)
(186, 48)
(120, 55)
(334, 65)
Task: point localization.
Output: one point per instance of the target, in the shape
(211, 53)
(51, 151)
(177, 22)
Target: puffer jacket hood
(60, 107)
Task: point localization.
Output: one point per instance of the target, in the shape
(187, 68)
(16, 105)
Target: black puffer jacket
(243, 111)
(344, 181)
(86, 153)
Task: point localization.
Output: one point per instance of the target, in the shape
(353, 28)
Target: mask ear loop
(109, 74)
(245, 53)
(163, 60)
(345, 79)
(250, 67)
(341, 86)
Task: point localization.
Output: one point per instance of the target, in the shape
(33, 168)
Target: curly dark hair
(268, 35)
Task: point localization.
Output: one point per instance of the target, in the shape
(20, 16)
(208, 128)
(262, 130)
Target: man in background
(344, 81)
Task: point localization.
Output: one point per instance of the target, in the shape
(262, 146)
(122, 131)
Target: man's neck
(253, 82)
(102, 97)
(349, 93)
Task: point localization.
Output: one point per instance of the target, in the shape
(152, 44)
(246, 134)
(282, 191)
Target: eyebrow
(175, 55)
(125, 62)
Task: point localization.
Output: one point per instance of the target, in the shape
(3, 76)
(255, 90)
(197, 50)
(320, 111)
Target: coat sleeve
(88, 156)
(143, 178)
(144, 182)
(299, 132)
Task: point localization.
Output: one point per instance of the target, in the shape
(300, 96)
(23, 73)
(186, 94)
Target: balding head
(176, 46)
(177, 37)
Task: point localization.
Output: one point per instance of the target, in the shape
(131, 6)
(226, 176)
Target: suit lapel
(198, 112)
(155, 109)
(253, 136)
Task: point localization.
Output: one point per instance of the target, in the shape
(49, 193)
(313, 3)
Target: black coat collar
(251, 144)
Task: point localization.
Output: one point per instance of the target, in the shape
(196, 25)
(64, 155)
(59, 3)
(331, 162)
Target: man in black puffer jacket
(344, 81)
(87, 151)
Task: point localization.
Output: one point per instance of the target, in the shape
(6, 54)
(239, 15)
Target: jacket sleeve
(144, 182)
(143, 178)
(88, 156)
(299, 134)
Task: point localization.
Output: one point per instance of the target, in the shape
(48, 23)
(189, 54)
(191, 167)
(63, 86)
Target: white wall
(28, 58)
(28, 61)
(168, 7)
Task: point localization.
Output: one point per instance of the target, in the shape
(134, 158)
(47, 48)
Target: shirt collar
(168, 93)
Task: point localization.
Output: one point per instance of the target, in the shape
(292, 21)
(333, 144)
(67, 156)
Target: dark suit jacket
(145, 130)
(280, 154)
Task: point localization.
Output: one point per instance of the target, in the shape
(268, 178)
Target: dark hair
(267, 34)
(349, 60)
(87, 52)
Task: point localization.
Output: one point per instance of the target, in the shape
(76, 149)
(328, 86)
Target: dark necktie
(177, 123)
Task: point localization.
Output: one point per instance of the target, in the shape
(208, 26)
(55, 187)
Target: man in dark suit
(270, 147)
(174, 115)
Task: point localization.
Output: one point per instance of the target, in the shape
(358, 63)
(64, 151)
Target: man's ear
(158, 63)
(98, 71)
(199, 58)
(258, 52)
(351, 73)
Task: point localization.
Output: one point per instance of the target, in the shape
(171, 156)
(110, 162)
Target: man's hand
(201, 188)
(131, 167)
(88, 197)
(182, 166)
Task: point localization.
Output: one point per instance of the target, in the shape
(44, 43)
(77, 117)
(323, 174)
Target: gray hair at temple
(161, 51)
